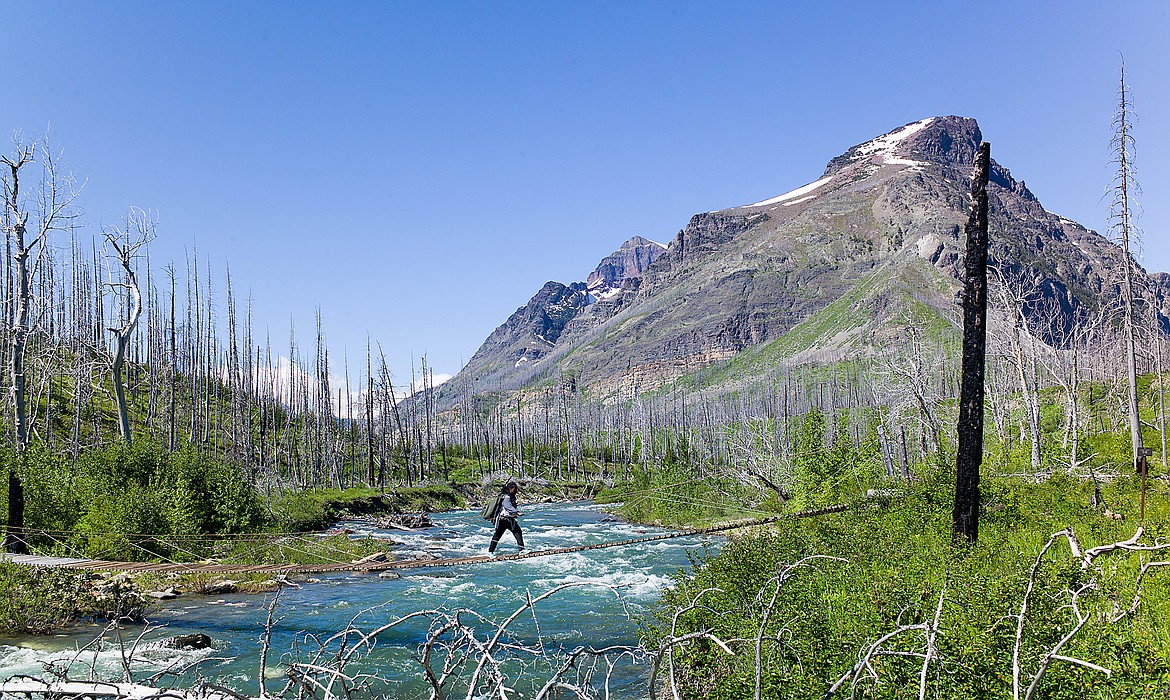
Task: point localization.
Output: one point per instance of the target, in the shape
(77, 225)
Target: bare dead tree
(1014, 294)
(758, 462)
(1064, 359)
(907, 382)
(28, 222)
(138, 231)
(1123, 188)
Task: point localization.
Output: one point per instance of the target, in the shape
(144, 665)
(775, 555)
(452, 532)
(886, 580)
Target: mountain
(622, 270)
(535, 328)
(829, 270)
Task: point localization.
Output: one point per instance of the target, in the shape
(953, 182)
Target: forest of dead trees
(105, 343)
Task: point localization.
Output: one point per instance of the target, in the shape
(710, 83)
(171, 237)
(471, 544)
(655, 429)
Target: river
(619, 584)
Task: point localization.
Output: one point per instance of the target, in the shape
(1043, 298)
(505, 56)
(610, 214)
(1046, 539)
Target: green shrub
(113, 501)
(680, 495)
(37, 600)
(899, 560)
(304, 511)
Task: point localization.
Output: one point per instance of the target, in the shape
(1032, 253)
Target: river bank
(1074, 584)
(602, 594)
(42, 601)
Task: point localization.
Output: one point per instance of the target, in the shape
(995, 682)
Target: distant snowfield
(798, 192)
(883, 147)
(600, 291)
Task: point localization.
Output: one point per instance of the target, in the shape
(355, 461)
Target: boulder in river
(221, 587)
(197, 640)
(373, 558)
(404, 521)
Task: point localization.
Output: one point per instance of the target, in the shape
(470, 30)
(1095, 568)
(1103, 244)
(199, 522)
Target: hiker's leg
(501, 526)
(519, 535)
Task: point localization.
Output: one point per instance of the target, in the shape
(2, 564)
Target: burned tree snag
(27, 223)
(139, 231)
(966, 511)
(1121, 224)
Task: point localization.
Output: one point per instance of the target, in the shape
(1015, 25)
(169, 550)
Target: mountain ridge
(889, 210)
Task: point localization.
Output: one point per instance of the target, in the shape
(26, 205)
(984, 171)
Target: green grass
(850, 312)
(898, 561)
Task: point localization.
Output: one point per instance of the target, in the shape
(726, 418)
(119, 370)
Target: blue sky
(419, 170)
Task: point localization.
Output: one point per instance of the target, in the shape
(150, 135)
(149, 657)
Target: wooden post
(1143, 488)
(965, 516)
(1143, 466)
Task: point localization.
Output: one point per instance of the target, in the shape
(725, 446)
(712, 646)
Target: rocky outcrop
(220, 587)
(703, 235)
(625, 264)
(533, 329)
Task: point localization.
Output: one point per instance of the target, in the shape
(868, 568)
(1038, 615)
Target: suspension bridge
(205, 566)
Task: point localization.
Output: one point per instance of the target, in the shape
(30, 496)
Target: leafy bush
(113, 500)
(898, 561)
(35, 600)
(677, 495)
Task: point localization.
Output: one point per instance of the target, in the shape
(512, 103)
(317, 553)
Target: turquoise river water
(629, 579)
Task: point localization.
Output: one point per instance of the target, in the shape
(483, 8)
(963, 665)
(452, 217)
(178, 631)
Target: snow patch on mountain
(894, 160)
(602, 292)
(884, 148)
(798, 192)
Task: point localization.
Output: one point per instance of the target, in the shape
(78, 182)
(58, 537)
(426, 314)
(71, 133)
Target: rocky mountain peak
(948, 141)
(626, 263)
(637, 241)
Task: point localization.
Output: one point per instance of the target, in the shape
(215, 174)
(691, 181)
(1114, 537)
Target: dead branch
(1087, 559)
(1137, 589)
(864, 667)
(1052, 654)
(1130, 545)
(667, 645)
(786, 571)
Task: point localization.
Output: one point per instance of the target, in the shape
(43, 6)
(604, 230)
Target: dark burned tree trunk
(174, 369)
(966, 510)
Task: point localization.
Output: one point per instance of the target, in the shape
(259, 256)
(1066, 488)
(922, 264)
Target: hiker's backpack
(492, 508)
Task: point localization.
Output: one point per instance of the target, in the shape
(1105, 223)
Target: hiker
(508, 518)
